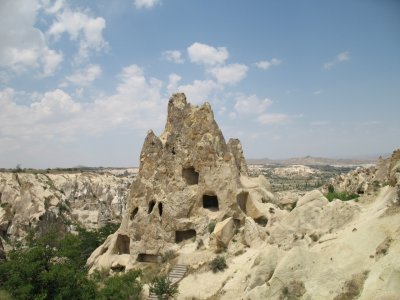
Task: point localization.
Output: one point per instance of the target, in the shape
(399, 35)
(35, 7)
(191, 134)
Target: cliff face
(38, 202)
(188, 178)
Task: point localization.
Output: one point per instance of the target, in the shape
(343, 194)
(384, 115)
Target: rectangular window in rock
(190, 175)
(184, 235)
(210, 202)
(144, 257)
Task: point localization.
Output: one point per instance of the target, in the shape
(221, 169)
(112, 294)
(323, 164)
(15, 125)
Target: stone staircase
(175, 275)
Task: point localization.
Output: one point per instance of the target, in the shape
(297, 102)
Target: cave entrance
(241, 199)
(133, 213)
(151, 206)
(184, 235)
(263, 221)
(122, 244)
(148, 258)
(210, 202)
(160, 208)
(190, 175)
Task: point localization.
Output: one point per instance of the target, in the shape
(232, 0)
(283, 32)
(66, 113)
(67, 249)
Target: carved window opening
(184, 235)
(160, 208)
(241, 199)
(210, 202)
(149, 258)
(122, 244)
(151, 206)
(263, 221)
(133, 213)
(190, 175)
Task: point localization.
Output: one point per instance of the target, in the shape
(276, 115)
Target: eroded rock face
(42, 201)
(364, 180)
(187, 178)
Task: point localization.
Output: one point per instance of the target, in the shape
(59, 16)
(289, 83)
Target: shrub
(163, 288)
(211, 226)
(344, 196)
(124, 287)
(218, 264)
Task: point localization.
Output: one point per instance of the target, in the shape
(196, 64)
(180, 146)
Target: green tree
(163, 287)
(122, 287)
(41, 272)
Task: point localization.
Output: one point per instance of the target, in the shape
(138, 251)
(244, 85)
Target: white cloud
(229, 74)
(199, 91)
(86, 76)
(80, 27)
(272, 118)
(173, 83)
(341, 57)
(265, 64)
(246, 105)
(51, 60)
(23, 46)
(208, 55)
(56, 116)
(52, 7)
(139, 4)
(173, 56)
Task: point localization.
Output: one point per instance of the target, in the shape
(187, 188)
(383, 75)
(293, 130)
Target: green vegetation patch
(344, 196)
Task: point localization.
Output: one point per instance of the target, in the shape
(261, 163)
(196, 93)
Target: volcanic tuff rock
(188, 178)
(40, 201)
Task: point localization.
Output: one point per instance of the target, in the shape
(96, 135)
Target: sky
(81, 82)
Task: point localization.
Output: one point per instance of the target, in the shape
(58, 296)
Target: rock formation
(41, 201)
(188, 178)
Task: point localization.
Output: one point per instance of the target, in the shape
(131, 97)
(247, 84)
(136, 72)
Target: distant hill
(313, 161)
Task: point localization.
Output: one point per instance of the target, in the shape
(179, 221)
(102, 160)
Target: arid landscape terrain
(196, 213)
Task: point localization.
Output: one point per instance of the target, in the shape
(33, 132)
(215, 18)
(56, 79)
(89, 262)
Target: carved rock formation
(188, 177)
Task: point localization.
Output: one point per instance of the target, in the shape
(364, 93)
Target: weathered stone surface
(187, 177)
(42, 201)
(222, 234)
(251, 233)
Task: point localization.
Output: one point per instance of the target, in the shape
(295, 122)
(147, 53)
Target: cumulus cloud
(86, 30)
(246, 105)
(341, 57)
(57, 117)
(173, 56)
(139, 4)
(200, 90)
(207, 55)
(229, 74)
(85, 76)
(23, 46)
(265, 64)
(173, 83)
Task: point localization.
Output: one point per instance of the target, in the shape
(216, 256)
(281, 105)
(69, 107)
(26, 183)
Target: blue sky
(81, 82)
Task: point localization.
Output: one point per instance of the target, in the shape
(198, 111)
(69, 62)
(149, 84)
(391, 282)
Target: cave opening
(122, 244)
(184, 235)
(149, 258)
(160, 208)
(133, 213)
(151, 206)
(210, 202)
(190, 175)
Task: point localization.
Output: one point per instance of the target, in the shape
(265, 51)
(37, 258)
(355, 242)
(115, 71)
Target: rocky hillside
(318, 250)
(194, 206)
(37, 201)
